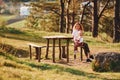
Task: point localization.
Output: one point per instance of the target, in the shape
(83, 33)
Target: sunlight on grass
(7, 17)
(19, 24)
(12, 68)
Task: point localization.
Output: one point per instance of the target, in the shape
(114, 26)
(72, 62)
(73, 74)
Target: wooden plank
(34, 45)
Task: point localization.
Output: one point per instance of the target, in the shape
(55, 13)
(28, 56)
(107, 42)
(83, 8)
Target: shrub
(106, 61)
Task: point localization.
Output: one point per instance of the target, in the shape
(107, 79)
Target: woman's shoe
(88, 60)
(91, 56)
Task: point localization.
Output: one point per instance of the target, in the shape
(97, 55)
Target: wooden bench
(37, 50)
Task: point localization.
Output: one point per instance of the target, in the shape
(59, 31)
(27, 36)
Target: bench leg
(30, 51)
(39, 54)
(63, 52)
(60, 55)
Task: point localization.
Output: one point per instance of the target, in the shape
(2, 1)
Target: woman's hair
(81, 26)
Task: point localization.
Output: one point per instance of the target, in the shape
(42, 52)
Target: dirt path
(16, 19)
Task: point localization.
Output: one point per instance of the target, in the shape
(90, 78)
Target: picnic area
(41, 47)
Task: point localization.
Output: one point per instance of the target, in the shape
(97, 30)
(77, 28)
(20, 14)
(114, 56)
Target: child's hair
(81, 26)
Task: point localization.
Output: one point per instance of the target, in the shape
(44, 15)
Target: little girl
(78, 41)
(77, 36)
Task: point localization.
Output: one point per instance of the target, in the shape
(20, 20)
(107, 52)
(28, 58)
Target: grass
(23, 68)
(7, 17)
(13, 68)
(20, 24)
(17, 69)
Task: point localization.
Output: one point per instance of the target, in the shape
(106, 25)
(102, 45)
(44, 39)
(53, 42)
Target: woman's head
(78, 26)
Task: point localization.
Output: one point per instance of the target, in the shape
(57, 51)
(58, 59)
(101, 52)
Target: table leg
(63, 52)
(53, 55)
(30, 51)
(67, 50)
(39, 54)
(60, 55)
(47, 49)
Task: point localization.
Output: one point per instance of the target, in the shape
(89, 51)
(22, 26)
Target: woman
(78, 41)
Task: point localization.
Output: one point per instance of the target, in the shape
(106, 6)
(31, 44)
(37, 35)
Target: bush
(48, 22)
(107, 26)
(106, 61)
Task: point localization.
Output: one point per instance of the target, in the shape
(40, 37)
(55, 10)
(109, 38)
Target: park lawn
(13, 68)
(7, 17)
(20, 24)
(25, 69)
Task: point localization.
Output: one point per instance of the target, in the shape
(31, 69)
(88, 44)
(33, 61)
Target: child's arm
(81, 40)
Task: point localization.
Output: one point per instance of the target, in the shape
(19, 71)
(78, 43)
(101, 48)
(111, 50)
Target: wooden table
(59, 38)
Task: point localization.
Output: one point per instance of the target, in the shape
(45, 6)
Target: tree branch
(56, 12)
(84, 11)
(106, 4)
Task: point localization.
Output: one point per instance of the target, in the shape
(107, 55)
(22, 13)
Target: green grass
(33, 35)
(20, 24)
(12, 68)
(7, 17)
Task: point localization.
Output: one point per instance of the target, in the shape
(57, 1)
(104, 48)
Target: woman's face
(78, 27)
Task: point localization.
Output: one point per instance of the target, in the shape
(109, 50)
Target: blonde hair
(81, 26)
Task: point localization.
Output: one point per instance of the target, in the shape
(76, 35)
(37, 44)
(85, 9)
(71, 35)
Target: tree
(75, 10)
(62, 2)
(67, 16)
(72, 9)
(83, 12)
(116, 35)
(43, 14)
(95, 19)
(96, 16)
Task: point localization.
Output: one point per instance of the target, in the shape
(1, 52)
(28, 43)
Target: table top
(58, 37)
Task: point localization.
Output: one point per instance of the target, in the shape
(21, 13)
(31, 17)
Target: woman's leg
(76, 45)
(86, 49)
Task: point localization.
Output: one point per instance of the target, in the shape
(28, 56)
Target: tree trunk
(73, 13)
(67, 16)
(116, 35)
(62, 17)
(95, 19)
(84, 12)
(73, 18)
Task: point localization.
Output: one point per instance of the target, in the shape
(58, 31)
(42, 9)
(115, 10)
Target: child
(78, 41)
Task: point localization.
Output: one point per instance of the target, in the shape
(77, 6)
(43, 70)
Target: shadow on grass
(63, 69)
(42, 66)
